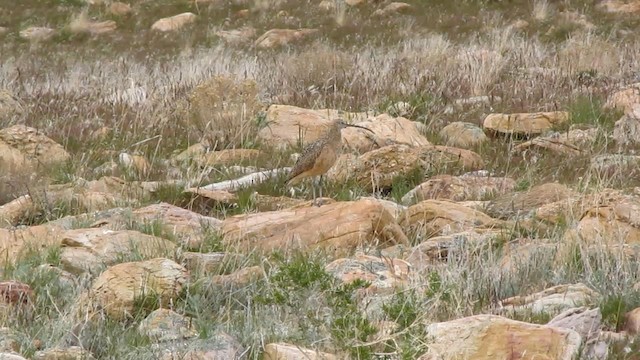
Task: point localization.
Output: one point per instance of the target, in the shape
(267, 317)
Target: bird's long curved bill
(359, 127)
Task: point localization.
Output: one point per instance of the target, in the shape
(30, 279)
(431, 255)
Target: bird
(319, 156)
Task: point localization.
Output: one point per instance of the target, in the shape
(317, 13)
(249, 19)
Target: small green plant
(403, 308)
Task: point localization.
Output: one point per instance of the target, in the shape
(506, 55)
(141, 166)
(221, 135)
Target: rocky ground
(493, 213)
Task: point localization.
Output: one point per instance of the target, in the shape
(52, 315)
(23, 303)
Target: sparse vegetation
(152, 94)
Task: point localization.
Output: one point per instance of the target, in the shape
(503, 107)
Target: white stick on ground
(247, 180)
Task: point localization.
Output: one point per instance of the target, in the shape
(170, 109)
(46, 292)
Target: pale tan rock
(582, 320)
(615, 222)
(10, 356)
(218, 346)
(119, 9)
(290, 124)
(91, 249)
(272, 203)
(167, 325)
(627, 129)
(81, 24)
(525, 123)
(552, 300)
(377, 169)
(382, 273)
(387, 131)
(523, 202)
(574, 142)
(286, 351)
(34, 145)
(521, 253)
(210, 263)
(355, 2)
(459, 188)
(396, 210)
(174, 23)
(114, 291)
(615, 165)
(439, 248)
(336, 228)
(37, 33)
(240, 36)
(490, 337)
(625, 99)
(327, 5)
(9, 105)
(280, 37)
(239, 278)
(212, 196)
(392, 9)
(632, 322)
(64, 353)
(619, 6)
(572, 209)
(227, 157)
(136, 163)
(431, 218)
(463, 135)
(3, 30)
(14, 242)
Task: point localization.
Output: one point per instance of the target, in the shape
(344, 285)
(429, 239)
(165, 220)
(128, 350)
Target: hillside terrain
(492, 210)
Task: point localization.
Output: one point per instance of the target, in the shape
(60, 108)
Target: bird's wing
(306, 160)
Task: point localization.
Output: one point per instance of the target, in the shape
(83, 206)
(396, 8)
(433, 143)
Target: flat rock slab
(381, 273)
(552, 300)
(167, 325)
(431, 218)
(490, 337)
(337, 228)
(523, 202)
(387, 130)
(91, 249)
(286, 351)
(280, 37)
(459, 188)
(572, 143)
(525, 124)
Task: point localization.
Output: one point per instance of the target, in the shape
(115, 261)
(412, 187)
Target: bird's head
(341, 124)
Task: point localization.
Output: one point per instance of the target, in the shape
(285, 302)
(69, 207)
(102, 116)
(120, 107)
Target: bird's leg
(320, 185)
(313, 188)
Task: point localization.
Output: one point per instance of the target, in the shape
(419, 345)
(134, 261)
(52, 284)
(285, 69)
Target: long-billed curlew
(319, 156)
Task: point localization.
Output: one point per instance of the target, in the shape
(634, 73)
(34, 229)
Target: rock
(396, 210)
(167, 325)
(571, 209)
(240, 36)
(463, 135)
(222, 110)
(439, 249)
(582, 320)
(289, 125)
(14, 242)
(15, 293)
(551, 301)
(385, 275)
(32, 145)
(377, 169)
(10, 356)
(627, 129)
(525, 123)
(494, 337)
(3, 30)
(9, 341)
(210, 263)
(337, 228)
(65, 278)
(240, 278)
(114, 292)
(574, 142)
(68, 353)
(272, 203)
(9, 105)
(281, 37)
(136, 163)
(387, 130)
(400, 109)
(521, 203)
(119, 9)
(459, 188)
(632, 322)
(521, 253)
(392, 9)
(82, 25)
(625, 99)
(618, 6)
(218, 346)
(431, 218)
(174, 23)
(616, 165)
(613, 222)
(285, 351)
(36, 33)
(89, 250)
(210, 198)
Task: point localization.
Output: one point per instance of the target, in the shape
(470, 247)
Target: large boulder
(459, 188)
(279, 37)
(489, 337)
(525, 124)
(336, 228)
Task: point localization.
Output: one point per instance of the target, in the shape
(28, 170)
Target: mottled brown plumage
(319, 156)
